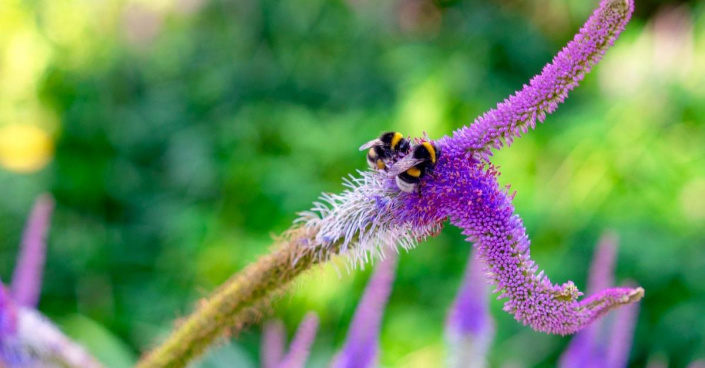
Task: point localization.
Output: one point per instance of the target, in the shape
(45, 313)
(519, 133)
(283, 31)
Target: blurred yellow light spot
(25, 58)
(214, 265)
(24, 148)
(328, 284)
(429, 356)
(692, 200)
(422, 109)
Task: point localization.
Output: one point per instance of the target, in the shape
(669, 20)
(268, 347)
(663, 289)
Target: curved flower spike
(468, 193)
(469, 328)
(541, 96)
(373, 213)
(362, 343)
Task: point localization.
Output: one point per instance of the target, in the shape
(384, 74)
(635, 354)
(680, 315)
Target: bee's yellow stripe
(414, 172)
(431, 150)
(396, 139)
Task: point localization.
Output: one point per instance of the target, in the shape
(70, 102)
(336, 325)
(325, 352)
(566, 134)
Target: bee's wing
(404, 164)
(370, 144)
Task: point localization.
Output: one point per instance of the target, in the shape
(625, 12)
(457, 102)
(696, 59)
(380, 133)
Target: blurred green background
(178, 135)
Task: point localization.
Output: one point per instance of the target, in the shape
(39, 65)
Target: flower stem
(231, 304)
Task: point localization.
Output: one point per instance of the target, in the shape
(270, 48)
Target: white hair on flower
(364, 218)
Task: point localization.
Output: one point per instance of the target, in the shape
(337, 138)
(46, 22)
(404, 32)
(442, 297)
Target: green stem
(233, 304)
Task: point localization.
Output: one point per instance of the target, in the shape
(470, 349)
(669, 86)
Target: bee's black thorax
(427, 153)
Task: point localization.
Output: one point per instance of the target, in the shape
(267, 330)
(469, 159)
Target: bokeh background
(178, 135)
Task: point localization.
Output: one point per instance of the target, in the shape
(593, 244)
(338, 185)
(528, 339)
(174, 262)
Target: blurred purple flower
(605, 344)
(273, 341)
(582, 351)
(8, 317)
(301, 344)
(469, 328)
(10, 355)
(28, 339)
(362, 344)
(27, 279)
(361, 347)
(621, 336)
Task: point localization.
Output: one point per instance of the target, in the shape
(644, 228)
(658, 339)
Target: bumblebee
(410, 169)
(382, 149)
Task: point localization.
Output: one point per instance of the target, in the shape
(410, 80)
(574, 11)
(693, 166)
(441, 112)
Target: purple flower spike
(301, 344)
(273, 340)
(362, 343)
(464, 188)
(602, 267)
(584, 350)
(373, 214)
(27, 278)
(470, 328)
(36, 342)
(28, 339)
(519, 112)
